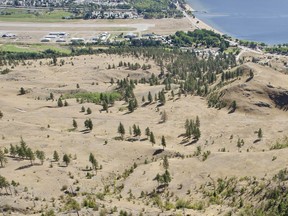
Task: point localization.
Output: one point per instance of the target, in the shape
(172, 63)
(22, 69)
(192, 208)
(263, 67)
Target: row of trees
(24, 152)
(137, 132)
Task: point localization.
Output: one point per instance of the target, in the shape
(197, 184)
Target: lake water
(255, 20)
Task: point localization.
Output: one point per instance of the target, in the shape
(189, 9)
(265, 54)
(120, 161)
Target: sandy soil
(29, 115)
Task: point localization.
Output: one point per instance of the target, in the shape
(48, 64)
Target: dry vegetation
(230, 170)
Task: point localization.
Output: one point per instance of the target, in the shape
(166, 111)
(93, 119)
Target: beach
(196, 22)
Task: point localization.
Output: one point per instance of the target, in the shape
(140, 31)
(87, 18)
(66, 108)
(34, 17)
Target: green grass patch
(30, 15)
(94, 97)
(34, 48)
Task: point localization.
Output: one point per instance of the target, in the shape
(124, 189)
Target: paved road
(72, 26)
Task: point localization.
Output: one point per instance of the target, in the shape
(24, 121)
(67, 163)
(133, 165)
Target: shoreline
(196, 22)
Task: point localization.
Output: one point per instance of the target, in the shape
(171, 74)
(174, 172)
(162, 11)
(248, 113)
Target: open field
(33, 48)
(30, 15)
(43, 125)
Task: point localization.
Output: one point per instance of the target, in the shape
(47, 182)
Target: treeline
(201, 37)
(156, 9)
(280, 49)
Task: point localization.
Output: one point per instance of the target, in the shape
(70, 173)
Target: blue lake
(255, 20)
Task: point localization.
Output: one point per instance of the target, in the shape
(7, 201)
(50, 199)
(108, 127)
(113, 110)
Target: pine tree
(88, 124)
(89, 111)
(105, 106)
(165, 162)
(150, 99)
(56, 156)
(22, 91)
(260, 133)
(12, 150)
(197, 133)
(3, 159)
(152, 138)
(30, 155)
(121, 130)
(75, 125)
(66, 159)
(197, 123)
(164, 117)
(131, 106)
(1, 115)
(51, 96)
(60, 103)
(82, 109)
(41, 156)
(147, 132)
(93, 161)
(163, 142)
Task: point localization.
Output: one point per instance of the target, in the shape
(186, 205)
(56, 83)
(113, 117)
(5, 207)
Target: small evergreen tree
(30, 155)
(60, 103)
(89, 111)
(260, 133)
(152, 138)
(165, 162)
(150, 99)
(147, 132)
(66, 159)
(163, 142)
(88, 124)
(121, 130)
(75, 125)
(93, 161)
(41, 156)
(22, 91)
(55, 156)
(164, 116)
(105, 106)
(3, 159)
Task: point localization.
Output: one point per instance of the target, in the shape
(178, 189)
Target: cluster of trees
(60, 102)
(24, 152)
(125, 87)
(66, 158)
(225, 76)
(192, 127)
(165, 178)
(279, 49)
(135, 66)
(201, 37)
(156, 9)
(145, 43)
(132, 104)
(160, 96)
(137, 133)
